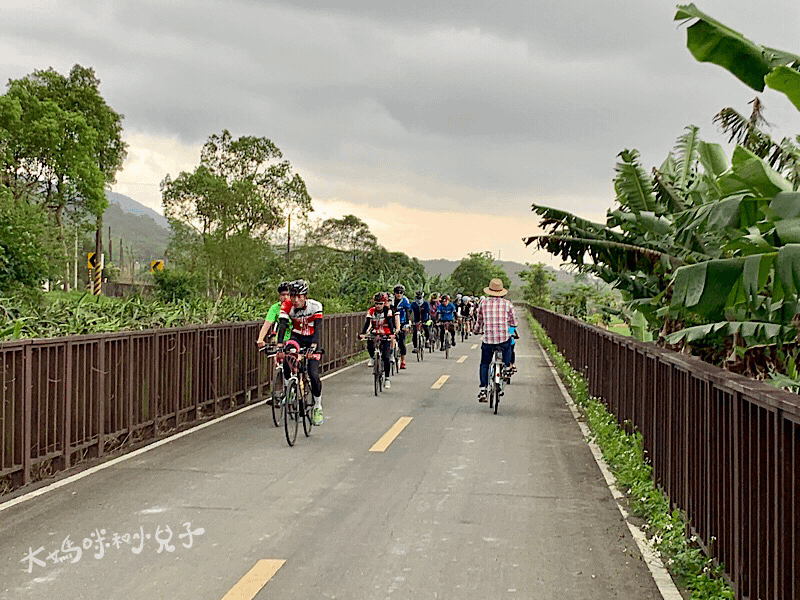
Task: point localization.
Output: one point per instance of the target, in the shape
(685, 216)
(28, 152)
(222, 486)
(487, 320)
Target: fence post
(27, 402)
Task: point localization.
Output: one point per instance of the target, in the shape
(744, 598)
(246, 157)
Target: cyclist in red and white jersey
(304, 316)
(380, 319)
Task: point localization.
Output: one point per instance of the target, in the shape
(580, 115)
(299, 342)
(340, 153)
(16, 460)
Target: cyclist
(380, 319)
(305, 317)
(269, 326)
(401, 307)
(493, 318)
(447, 316)
(270, 323)
(434, 304)
(422, 317)
(466, 314)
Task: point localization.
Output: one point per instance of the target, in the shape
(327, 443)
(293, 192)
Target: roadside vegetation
(705, 248)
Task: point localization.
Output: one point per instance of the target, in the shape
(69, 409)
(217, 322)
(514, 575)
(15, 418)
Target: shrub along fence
(69, 399)
(724, 448)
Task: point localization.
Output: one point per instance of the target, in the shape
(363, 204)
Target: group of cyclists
(391, 321)
(298, 318)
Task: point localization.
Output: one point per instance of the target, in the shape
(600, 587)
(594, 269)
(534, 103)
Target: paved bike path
(461, 504)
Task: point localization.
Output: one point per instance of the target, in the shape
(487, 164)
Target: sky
(438, 123)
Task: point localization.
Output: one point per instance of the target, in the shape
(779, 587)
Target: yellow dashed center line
(440, 382)
(474, 346)
(255, 579)
(388, 437)
(462, 359)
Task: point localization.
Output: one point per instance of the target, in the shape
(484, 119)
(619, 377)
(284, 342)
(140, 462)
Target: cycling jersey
(434, 309)
(272, 317)
(401, 307)
(466, 310)
(304, 319)
(447, 312)
(381, 321)
(421, 310)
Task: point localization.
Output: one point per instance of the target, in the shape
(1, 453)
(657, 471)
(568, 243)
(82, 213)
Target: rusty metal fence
(65, 400)
(724, 448)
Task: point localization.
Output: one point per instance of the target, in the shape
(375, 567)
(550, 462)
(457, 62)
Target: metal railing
(724, 448)
(68, 399)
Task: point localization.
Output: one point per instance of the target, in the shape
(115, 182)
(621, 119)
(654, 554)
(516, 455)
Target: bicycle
(434, 339)
(446, 341)
(297, 404)
(422, 342)
(277, 388)
(496, 379)
(377, 362)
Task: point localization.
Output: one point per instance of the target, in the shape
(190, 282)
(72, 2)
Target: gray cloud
(471, 103)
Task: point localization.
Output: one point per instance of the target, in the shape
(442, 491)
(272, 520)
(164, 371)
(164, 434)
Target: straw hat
(495, 288)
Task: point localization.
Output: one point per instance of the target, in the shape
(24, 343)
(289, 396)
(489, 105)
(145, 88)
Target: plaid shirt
(494, 317)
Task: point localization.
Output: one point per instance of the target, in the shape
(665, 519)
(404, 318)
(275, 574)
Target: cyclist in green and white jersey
(270, 323)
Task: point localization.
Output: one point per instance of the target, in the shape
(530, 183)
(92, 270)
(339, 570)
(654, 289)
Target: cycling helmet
(434, 296)
(283, 287)
(298, 287)
(420, 295)
(458, 296)
(381, 297)
(399, 289)
(446, 297)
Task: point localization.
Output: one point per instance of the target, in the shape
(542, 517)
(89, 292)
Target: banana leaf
(634, 188)
(710, 41)
(752, 332)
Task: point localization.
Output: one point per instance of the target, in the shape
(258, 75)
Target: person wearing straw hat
(493, 318)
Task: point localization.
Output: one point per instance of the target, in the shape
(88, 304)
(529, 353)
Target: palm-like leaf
(634, 188)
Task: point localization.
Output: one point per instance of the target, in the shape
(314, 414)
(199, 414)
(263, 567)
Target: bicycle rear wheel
(377, 372)
(291, 413)
(446, 344)
(306, 405)
(496, 397)
(276, 390)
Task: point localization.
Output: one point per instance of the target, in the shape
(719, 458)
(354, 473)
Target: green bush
(174, 286)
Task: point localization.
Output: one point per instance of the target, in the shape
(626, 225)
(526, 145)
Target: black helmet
(399, 289)
(283, 286)
(298, 287)
(380, 297)
(420, 295)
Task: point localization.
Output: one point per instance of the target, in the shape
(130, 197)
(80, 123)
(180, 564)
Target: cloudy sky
(437, 122)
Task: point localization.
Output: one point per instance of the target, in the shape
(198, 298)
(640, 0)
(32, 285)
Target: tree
(537, 280)
(474, 273)
(348, 234)
(29, 251)
(241, 191)
(60, 144)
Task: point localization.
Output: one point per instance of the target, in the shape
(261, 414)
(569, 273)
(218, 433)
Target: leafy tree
(29, 251)
(224, 210)
(348, 234)
(536, 289)
(60, 143)
(474, 273)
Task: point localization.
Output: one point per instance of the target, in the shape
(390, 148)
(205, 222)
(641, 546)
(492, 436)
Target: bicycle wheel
(291, 412)
(377, 371)
(463, 333)
(496, 397)
(306, 405)
(276, 391)
(446, 344)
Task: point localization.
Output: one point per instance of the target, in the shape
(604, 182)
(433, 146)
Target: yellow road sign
(156, 265)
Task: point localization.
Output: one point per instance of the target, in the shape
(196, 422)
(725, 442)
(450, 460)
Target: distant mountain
(445, 268)
(130, 205)
(143, 232)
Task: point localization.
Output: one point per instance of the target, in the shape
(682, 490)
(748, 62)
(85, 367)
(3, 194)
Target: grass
(690, 567)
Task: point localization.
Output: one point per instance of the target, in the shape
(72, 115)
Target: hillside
(446, 267)
(135, 225)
